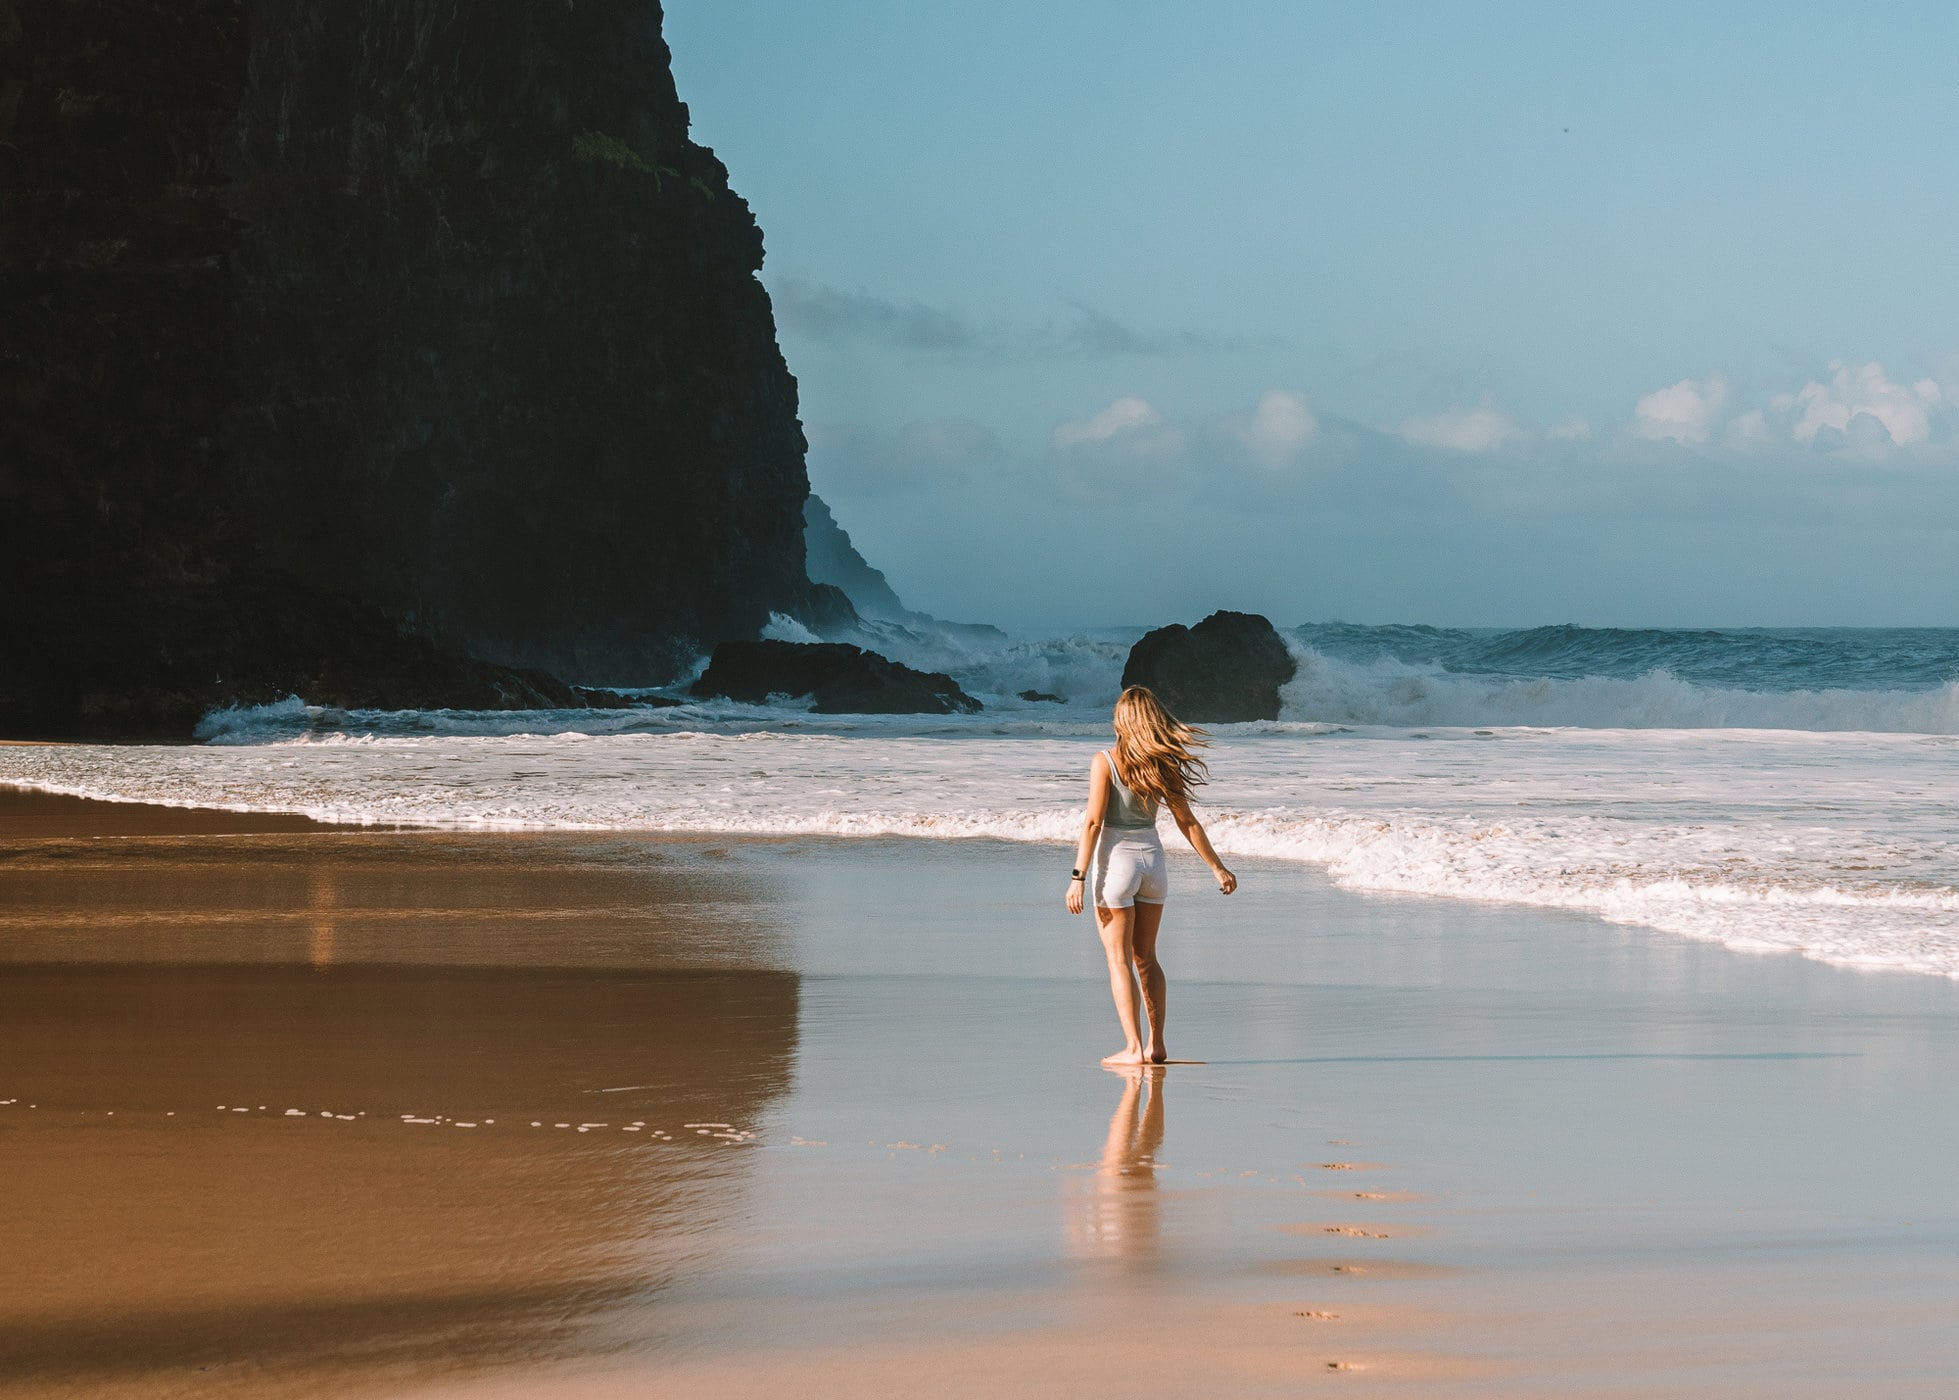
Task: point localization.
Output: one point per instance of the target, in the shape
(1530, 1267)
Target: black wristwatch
(1075, 875)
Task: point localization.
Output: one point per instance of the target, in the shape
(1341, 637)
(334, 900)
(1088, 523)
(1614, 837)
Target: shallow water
(839, 1096)
(1838, 845)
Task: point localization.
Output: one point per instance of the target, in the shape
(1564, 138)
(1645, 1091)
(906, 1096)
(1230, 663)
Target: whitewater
(1770, 791)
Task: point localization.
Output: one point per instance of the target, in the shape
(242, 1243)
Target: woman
(1152, 762)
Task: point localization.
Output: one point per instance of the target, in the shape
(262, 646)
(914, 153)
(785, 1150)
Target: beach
(578, 575)
(827, 1114)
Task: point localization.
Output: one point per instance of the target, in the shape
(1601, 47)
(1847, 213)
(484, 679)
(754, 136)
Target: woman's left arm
(1193, 831)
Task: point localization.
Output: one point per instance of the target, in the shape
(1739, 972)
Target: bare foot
(1131, 1056)
(1156, 1054)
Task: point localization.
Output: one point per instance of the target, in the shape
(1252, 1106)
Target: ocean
(1772, 790)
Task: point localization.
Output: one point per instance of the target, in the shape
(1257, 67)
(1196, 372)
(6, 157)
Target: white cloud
(1683, 412)
(1128, 429)
(1465, 430)
(1124, 415)
(1278, 430)
(1572, 430)
(1858, 410)
(1854, 391)
(1264, 443)
(1749, 432)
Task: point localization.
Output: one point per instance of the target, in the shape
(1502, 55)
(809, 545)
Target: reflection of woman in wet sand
(1116, 1216)
(1152, 762)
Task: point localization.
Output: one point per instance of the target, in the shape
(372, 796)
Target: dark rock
(155, 661)
(594, 698)
(430, 312)
(882, 616)
(843, 679)
(159, 660)
(500, 344)
(828, 610)
(833, 559)
(1225, 670)
(1032, 695)
(983, 634)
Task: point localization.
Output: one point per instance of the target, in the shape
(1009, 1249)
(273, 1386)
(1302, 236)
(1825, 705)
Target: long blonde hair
(1153, 748)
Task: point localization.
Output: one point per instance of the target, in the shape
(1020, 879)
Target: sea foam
(1764, 789)
(1086, 671)
(1837, 845)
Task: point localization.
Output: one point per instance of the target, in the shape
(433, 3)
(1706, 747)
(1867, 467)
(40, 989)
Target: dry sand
(824, 1118)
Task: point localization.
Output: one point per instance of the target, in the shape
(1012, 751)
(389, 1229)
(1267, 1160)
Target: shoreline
(22, 804)
(1449, 1149)
(29, 811)
(1904, 950)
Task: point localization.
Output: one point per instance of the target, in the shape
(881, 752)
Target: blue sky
(1462, 314)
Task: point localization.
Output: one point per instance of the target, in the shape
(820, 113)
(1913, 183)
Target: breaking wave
(1388, 691)
(1839, 846)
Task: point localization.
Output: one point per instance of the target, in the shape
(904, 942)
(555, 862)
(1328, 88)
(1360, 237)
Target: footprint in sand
(1397, 1196)
(1359, 1268)
(1351, 1229)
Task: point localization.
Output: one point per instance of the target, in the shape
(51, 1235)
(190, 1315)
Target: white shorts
(1129, 868)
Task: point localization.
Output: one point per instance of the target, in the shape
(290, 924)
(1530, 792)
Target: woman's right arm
(1098, 803)
(1200, 842)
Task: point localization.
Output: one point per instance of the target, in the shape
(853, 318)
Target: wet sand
(832, 1120)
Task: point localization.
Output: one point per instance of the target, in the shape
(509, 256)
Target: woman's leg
(1150, 1138)
(1149, 972)
(1118, 944)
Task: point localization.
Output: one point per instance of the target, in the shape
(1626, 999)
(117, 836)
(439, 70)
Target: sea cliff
(423, 313)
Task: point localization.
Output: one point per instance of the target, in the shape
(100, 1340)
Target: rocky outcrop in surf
(833, 559)
(1225, 670)
(882, 619)
(839, 678)
(255, 644)
(431, 313)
